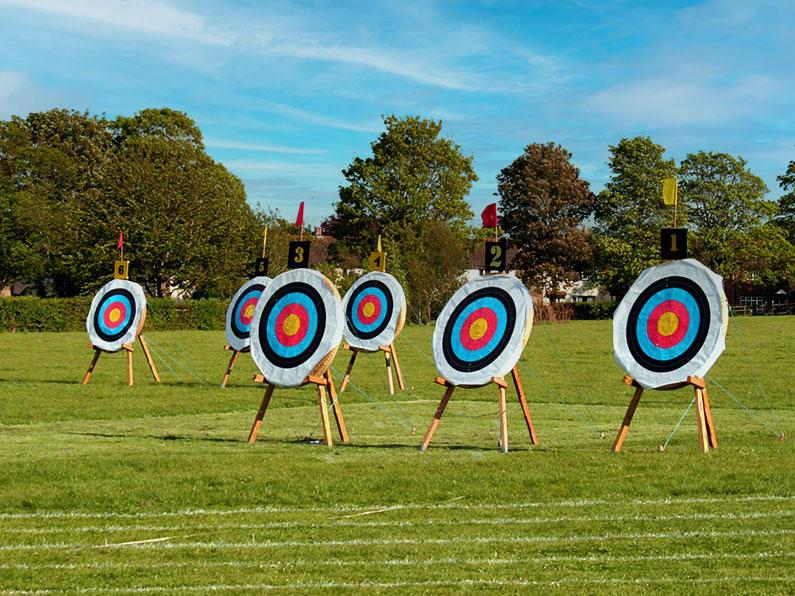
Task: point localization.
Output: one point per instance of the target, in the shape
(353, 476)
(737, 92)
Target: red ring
(668, 341)
(491, 327)
(364, 319)
(299, 311)
(244, 320)
(106, 315)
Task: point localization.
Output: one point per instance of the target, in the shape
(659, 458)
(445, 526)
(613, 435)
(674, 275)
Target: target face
(116, 314)
(375, 310)
(241, 312)
(296, 327)
(671, 324)
(482, 330)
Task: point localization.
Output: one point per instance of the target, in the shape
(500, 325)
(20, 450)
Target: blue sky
(287, 93)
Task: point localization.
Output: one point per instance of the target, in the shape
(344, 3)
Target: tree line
(69, 181)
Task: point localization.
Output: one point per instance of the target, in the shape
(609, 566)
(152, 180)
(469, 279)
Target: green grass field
(113, 489)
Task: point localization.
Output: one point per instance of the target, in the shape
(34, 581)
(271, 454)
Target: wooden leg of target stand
(323, 405)
(502, 385)
(91, 366)
(347, 376)
(149, 360)
(398, 371)
(336, 408)
(439, 411)
(129, 350)
(387, 361)
(266, 399)
(622, 432)
(231, 365)
(525, 410)
(713, 437)
(706, 429)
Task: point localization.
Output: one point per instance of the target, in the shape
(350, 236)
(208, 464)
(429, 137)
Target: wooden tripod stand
(322, 382)
(129, 349)
(706, 427)
(390, 353)
(232, 360)
(502, 385)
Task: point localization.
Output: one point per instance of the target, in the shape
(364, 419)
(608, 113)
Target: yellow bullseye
(291, 324)
(667, 324)
(478, 329)
(114, 315)
(249, 312)
(369, 309)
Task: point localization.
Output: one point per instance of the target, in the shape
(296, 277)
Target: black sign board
(260, 267)
(673, 243)
(496, 256)
(298, 255)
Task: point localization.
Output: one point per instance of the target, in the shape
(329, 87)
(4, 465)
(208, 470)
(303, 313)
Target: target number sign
(377, 261)
(116, 315)
(241, 312)
(482, 330)
(298, 254)
(121, 270)
(296, 328)
(673, 243)
(496, 256)
(260, 267)
(375, 311)
(671, 324)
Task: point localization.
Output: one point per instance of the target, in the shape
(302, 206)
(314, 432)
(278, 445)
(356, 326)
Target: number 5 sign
(496, 256)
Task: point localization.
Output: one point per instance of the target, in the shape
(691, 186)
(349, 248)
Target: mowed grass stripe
(334, 524)
(315, 544)
(375, 508)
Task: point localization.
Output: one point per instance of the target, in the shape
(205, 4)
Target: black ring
(510, 309)
(662, 366)
(98, 329)
(298, 359)
(235, 330)
(349, 309)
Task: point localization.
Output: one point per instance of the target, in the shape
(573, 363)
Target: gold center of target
(292, 324)
(478, 328)
(667, 324)
(249, 312)
(114, 315)
(369, 309)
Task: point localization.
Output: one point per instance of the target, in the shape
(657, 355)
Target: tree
(413, 177)
(543, 203)
(786, 203)
(629, 213)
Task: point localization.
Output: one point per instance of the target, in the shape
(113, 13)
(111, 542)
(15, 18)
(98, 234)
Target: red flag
(489, 216)
(120, 243)
(299, 221)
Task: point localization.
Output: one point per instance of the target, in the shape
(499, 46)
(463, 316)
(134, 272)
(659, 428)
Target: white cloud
(20, 96)
(314, 118)
(324, 170)
(262, 147)
(146, 16)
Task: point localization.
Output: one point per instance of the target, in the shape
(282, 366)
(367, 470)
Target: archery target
(296, 328)
(482, 330)
(671, 324)
(241, 312)
(375, 311)
(116, 315)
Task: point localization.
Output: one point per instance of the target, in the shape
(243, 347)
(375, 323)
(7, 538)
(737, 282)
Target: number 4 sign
(496, 256)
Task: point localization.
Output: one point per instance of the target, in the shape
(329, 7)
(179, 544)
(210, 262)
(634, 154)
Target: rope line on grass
(746, 355)
(179, 363)
(156, 352)
(748, 410)
(678, 424)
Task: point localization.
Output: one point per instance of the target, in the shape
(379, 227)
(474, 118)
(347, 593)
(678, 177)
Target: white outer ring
(233, 340)
(132, 333)
(513, 349)
(714, 343)
(387, 336)
(332, 334)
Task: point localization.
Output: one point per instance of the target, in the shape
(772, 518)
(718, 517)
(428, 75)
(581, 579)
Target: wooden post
(437, 416)
(129, 350)
(232, 361)
(523, 402)
(91, 366)
(149, 360)
(388, 370)
(336, 408)
(266, 399)
(321, 402)
(713, 437)
(503, 415)
(702, 423)
(398, 371)
(347, 376)
(622, 432)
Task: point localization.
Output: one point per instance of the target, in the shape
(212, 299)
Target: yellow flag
(669, 191)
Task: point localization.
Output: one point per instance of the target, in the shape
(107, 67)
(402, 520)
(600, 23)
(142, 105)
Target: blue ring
(381, 297)
(645, 343)
(270, 325)
(458, 348)
(244, 329)
(104, 306)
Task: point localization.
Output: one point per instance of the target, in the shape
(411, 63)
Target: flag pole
(264, 241)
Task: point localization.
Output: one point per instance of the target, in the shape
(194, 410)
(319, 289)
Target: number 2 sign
(496, 256)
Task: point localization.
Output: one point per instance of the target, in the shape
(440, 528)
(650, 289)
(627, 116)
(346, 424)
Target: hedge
(27, 313)
(593, 310)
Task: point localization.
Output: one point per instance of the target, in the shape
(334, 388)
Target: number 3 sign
(298, 254)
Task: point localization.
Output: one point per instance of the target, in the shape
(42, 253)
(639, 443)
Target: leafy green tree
(786, 203)
(543, 202)
(413, 177)
(629, 213)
